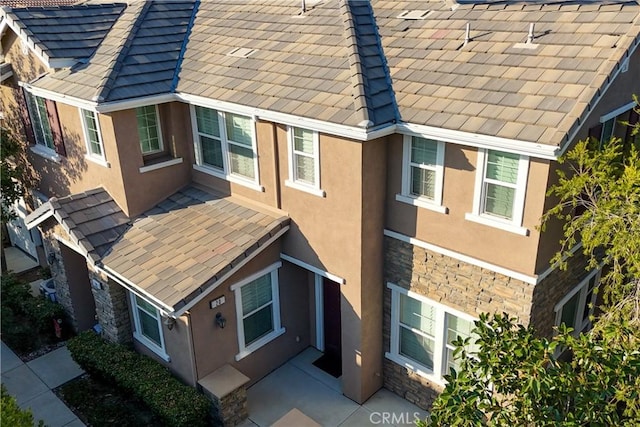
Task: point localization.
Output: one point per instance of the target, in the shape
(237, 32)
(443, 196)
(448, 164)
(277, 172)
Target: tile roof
(65, 32)
(335, 62)
(35, 3)
(491, 85)
(92, 220)
(184, 245)
(139, 57)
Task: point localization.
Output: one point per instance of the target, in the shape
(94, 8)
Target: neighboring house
(232, 182)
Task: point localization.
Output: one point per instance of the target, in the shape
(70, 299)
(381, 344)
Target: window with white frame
(149, 129)
(423, 332)
(500, 190)
(92, 134)
(225, 143)
(575, 309)
(257, 310)
(148, 325)
(40, 121)
(422, 172)
(304, 159)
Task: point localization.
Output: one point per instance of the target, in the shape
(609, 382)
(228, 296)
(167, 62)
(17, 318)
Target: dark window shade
(56, 128)
(24, 115)
(595, 132)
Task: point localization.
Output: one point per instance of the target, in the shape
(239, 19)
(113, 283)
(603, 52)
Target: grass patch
(102, 405)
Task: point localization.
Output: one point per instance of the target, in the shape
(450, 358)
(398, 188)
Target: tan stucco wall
(452, 231)
(143, 190)
(215, 347)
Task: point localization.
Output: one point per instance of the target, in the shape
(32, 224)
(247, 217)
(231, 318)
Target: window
(304, 160)
(423, 332)
(500, 190)
(422, 173)
(619, 124)
(40, 121)
(149, 129)
(577, 306)
(225, 144)
(257, 310)
(148, 325)
(92, 134)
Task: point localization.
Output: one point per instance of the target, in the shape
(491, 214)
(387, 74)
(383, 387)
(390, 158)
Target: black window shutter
(21, 97)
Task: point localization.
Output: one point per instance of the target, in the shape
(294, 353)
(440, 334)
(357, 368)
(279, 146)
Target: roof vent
(529, 44)
(241, 52)
(414, 14)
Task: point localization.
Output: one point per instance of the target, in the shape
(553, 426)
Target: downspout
(276, 166)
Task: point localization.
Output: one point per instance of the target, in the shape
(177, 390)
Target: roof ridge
(359, 97)
(183, 49)
(139, 10)
(363, 88)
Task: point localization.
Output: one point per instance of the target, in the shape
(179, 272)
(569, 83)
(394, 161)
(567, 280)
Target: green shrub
(177, 404)
(11, 414)
(14, 292)
(42, 312)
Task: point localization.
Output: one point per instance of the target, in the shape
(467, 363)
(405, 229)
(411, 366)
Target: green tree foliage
(514, 378)
(11, 174)
(11, 414)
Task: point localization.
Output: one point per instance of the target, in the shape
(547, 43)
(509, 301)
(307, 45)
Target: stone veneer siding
(59, 276)
(456, 284)
(112, 310)
(552, 289)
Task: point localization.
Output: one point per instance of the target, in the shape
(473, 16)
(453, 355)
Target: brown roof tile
(224, 231)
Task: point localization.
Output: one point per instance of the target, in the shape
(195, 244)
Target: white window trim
(101, 160)
(293, 181)
(514, 225)
(46, 152)
(581, 287)
(225, 173)
(278, 330)
(160, 165)
(159, 350)
(440, 348)
(32, 114)
(405, 195)
(160, 140)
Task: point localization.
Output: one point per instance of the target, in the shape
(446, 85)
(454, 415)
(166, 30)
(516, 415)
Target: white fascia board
(127, 284)
(531, 149)
(128, 104)
(39, 220)
(3, 25)
(25, 38)
(58, 97)
(602, 92)
(351, 132)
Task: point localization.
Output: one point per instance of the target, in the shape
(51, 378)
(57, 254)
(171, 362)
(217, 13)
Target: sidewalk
(31, 384)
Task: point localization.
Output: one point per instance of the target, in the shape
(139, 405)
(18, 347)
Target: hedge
(177, 404)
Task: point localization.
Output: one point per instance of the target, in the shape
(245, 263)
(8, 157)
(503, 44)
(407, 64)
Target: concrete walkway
(31, 384)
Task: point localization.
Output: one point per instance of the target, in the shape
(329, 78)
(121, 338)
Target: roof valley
(183, 48)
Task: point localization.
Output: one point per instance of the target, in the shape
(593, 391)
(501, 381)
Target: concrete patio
(299, 391)
(18, 261)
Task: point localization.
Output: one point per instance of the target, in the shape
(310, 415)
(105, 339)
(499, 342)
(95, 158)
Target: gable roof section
(62, 35)
(137, 58)
(492, 87)
(185, 245)
(92, 220)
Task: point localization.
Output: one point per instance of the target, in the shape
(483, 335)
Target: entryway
(328, 326)
(84, 306)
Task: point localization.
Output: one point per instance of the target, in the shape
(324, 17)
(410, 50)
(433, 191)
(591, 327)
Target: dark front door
(332, 325)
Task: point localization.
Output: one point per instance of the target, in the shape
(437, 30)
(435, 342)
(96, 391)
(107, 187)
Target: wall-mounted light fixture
(51, 258)
(169, 322)
(220, 321)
